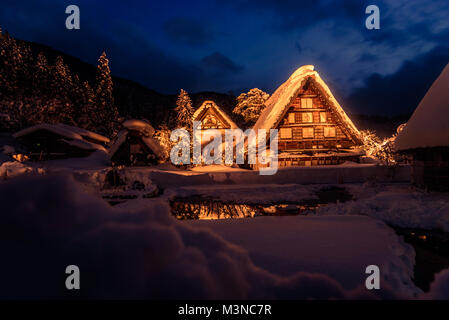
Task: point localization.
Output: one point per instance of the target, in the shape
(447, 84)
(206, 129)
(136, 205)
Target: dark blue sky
(240, 44)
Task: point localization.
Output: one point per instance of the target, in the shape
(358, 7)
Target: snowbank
(140, 253)
(13, 169)
(340, 247)
(439, 289)
(98, 160)
(399, 205)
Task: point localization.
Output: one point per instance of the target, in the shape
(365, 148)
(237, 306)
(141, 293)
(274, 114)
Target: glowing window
(291, 118)
(307, 117)
(285, 133)
(307, 132)
(323, 117)
(306, 103)
(329, 132)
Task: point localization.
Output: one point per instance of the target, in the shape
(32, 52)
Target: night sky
(235, 45)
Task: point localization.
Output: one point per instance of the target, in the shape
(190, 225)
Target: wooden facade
(311, 125)
(214, 121)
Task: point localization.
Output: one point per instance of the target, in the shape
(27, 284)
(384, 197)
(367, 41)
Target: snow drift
(124, 253)
(398, 205)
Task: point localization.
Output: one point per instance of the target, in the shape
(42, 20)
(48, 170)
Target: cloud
(48, 223)
(219, 63)
(400, 92)
(367, 57)
(188, 31)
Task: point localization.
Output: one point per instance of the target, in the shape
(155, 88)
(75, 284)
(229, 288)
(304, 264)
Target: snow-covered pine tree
(163, 136)
(184, 111)
(106, 117)
(41, 77)
(250, 105)
(61, 110)
(15, 79)
(86, 107)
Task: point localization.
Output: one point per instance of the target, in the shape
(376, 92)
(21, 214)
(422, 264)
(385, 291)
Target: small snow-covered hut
(59, 141)
(425, 138)
(135, 145)
(313, 128)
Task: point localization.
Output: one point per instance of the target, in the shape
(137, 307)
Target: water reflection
(208, 209)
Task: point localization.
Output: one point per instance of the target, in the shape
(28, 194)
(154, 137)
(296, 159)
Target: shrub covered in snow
(250, 105)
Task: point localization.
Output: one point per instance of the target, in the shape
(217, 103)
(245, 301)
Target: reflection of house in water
(312, 127)
(135, 145)
(214, 122)
(425, 138)
(59, 141)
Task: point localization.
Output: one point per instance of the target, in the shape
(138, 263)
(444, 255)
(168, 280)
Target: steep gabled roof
(277, 105)
(211, 104)
(429, 125)
(146, 134)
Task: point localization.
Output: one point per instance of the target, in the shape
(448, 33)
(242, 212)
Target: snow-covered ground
(340, 247)
(321, 256)
(397, 204)
(300, 256)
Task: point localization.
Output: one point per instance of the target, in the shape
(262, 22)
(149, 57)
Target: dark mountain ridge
(134, 100)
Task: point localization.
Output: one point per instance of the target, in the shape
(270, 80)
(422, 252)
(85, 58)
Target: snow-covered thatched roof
(278, 103)
(63, 130)
(146, 132)
(211, 104)
(71, 135)
(139, 125)
(428, 126)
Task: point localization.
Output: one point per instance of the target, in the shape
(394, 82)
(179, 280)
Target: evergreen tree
(41, 77)
(184, 111)
(61, 109)
(86, 106)
(163, 136)
(250, 105)
(106, 114)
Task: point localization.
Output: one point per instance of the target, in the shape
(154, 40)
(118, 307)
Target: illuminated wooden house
(135, 145)
(312, 127)
(212, 117)
(425, 138)
(214, 121)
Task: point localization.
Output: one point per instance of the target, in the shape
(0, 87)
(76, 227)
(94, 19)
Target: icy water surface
(197, 207)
